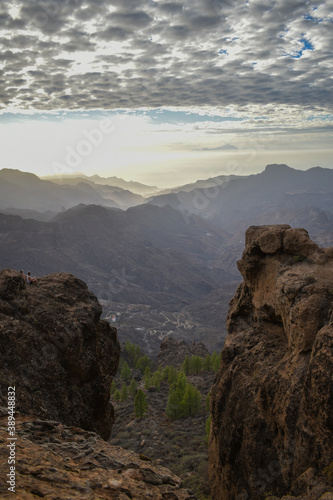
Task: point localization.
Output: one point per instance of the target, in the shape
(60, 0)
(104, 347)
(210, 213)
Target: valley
(161, 264)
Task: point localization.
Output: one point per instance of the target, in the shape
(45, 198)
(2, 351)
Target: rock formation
(59, 462)
(272, 400)
(56, 351)
(61, 359)
(173, 352)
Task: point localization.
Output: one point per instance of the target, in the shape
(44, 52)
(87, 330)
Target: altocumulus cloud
(101, 54)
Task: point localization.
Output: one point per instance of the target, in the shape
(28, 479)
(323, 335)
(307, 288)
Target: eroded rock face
(272, 401)
(57, 462)
(56, 351)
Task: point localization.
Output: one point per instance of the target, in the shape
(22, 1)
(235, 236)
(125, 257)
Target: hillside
(145, 255)
(144, 259)
(270, 388)
(117, 182)
(180, 444)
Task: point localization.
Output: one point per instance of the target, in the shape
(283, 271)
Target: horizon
(163, 92)
(79, 174)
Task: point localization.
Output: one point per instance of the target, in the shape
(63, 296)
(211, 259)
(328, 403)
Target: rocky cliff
(272, 401)
(56, 351)
(61, 358)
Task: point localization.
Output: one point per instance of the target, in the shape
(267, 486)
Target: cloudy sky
(165, 91)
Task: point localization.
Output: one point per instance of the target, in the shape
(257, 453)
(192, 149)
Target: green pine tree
(125, 373)
(166, 373)
(117, 395)
(181, 384)
(208, 363)
(157, 379)
(216, 360)
(137, 354)
(140, 404)
(124, 392)
(191, 401)
(173, 409)
(172, 375)
(142, 363)
(133, 387)
(196, 364)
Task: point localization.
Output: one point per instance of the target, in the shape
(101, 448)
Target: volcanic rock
(272, 400)
(56, 351)
(59, 462)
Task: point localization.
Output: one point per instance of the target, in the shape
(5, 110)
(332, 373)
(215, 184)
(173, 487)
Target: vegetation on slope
(172, 429)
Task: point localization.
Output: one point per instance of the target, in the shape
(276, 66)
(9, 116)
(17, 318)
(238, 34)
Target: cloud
(69, 54)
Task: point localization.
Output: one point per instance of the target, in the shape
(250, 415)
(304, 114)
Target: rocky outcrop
(61, 358)
(57, 462)
(272, 400)
(173, 352)
(56, 351)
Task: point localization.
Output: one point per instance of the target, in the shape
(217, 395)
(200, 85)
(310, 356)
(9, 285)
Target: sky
(165, 92)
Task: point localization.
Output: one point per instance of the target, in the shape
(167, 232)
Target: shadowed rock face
(272, 401)
(56, 351)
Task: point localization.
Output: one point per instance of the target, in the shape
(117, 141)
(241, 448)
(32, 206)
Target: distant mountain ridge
(25, 191)
(249, 195)
(146, 254)
(135, 187)
(162, 265)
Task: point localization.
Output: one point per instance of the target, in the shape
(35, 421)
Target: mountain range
(160, 264)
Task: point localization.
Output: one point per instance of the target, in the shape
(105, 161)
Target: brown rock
(272, 401)
(56, 351)
(268, 238)
(63, 468)
(297, 242)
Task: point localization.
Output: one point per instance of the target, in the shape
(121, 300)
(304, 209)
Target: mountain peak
(278, 168)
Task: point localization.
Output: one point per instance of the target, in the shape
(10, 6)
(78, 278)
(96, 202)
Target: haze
(192, 88)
